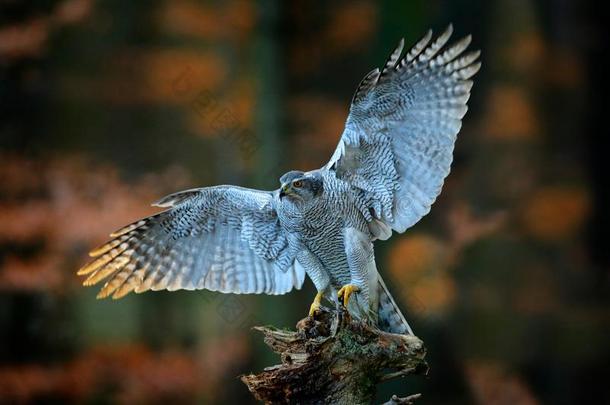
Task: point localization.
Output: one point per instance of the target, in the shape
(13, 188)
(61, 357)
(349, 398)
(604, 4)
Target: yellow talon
(315, 305)
(346, 292)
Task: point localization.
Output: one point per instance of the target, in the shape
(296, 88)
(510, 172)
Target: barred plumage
(221, 238)
(384, 175)
(414, 112)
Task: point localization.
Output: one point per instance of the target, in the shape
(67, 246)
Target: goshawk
(387, 170)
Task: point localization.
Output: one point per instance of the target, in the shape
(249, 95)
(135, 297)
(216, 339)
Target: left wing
(222, 238)
(397, 146)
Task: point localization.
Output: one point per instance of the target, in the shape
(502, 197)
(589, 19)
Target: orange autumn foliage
(491, 385)
(349, 28)
(127, 374)
(419, 264)
(130, 374)
(229, 114)
(527, 53)
(351, 25)
(162, 76)
(233, 20)
(555, 213)
(53, 207)
(510, 114)
(431, 295)
(29, 38)
(152, 76)
(161, 68)
(319, 123)
(414, 257)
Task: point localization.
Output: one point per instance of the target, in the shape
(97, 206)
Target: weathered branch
(334, 358)
(408, 400)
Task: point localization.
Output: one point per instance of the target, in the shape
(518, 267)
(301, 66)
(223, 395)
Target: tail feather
(390, 318)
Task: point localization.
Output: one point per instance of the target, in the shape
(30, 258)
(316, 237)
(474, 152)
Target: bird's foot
(346, 292)
(315, 305)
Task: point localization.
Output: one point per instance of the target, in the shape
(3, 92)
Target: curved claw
(346, 292)
(315, 305)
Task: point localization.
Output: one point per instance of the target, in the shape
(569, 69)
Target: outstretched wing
(220, 238)
(397, 146)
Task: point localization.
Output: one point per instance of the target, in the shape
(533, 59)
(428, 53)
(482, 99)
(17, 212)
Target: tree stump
(334, 358)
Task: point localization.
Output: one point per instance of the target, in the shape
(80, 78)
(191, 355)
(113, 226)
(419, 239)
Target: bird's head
(300, 186)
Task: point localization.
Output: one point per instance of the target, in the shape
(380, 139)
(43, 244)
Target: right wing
(397, 146)
(222, 238)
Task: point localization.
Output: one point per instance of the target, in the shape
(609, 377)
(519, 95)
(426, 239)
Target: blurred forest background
(106, 106)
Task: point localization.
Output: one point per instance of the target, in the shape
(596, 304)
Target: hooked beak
(284, 191)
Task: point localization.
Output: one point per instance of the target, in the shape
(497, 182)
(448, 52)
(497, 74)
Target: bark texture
(334, 358)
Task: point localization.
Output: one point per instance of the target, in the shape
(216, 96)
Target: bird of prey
(387, 170)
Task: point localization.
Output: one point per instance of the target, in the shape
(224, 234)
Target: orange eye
(297, 184)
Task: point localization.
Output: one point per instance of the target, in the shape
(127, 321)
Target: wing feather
(397, 146)
(221, 238)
